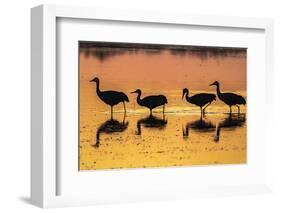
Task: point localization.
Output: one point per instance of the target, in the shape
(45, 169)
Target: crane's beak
(212, 84)
(183, 93)
(92, 80)
(134, 92)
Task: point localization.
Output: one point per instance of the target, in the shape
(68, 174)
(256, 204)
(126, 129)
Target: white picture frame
(44, 154)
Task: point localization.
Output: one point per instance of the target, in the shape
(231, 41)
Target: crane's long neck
(139, 98)
(218, 90)
(98, 88)
(186, 95)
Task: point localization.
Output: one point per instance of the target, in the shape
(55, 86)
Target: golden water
(178, 138)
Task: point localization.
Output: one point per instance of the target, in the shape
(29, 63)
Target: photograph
(147, 105)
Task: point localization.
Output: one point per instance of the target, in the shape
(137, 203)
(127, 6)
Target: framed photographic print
(130, 106)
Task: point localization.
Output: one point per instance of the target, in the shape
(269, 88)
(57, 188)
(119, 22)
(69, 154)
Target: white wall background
(15, 99)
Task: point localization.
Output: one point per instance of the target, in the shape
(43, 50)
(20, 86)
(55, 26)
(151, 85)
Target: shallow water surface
(172, 139)
(177, 138)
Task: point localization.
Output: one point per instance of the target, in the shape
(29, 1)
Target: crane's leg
(124, 117)
(206, 107)
(111, 110)
(238, 109)
(164, 109)
(97, 144)
(150, 112)
(230, 110)
(138, 132)
(217, 135)
(201, 113)
(185, 131)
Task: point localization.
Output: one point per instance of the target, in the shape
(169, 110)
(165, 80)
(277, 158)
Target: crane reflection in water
(200, 125)
(110, 126)
(230, 123)
(151, 122)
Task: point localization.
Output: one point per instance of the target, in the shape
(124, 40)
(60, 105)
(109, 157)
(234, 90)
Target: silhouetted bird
(230, 99)
(110, 97)
(201, 99)
(152, 101)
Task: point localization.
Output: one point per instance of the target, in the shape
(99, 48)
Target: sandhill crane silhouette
(201, 99)
(152, 101)
(228, 98)
(111, 97)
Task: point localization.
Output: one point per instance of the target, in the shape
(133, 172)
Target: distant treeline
(105, 50)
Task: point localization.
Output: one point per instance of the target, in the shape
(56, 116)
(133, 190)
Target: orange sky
(165, 70)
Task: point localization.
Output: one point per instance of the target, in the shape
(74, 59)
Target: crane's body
(201, 99)
(152, 101)
(112, 98)
(231, 98)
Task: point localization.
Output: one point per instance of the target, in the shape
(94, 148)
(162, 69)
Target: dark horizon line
(105, 50)
(96, 44)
